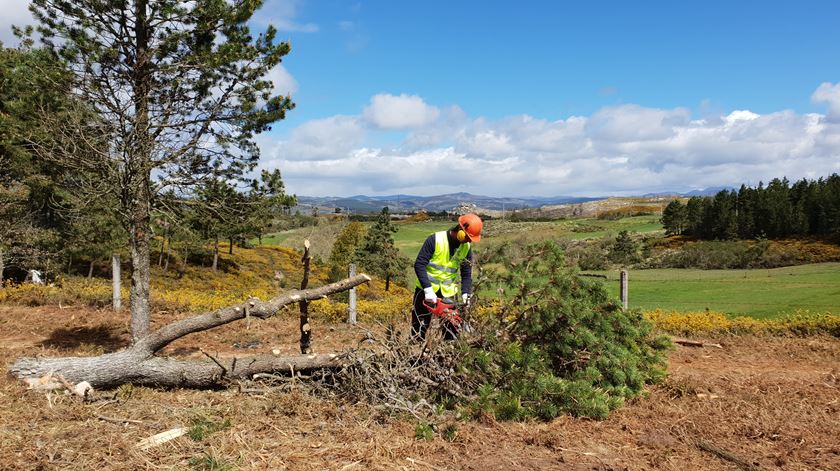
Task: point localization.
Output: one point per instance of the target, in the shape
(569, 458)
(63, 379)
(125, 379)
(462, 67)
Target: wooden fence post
(624, 289)
(351, 308)
(305, 328)
(115, 280)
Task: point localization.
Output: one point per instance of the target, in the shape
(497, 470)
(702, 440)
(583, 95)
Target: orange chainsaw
(445, 309)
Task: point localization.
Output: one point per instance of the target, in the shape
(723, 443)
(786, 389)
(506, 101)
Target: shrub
(588, 255)
(802, 323)
(678, 252)
(629, 211)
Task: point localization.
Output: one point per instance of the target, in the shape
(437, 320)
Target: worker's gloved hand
(465, 299)
(429, 294)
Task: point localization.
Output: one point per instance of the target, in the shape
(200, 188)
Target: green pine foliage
(378, 254)
(344, 249)
(561, 345)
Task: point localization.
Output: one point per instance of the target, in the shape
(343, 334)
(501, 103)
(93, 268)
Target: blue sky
(550, 98)
(556, 59)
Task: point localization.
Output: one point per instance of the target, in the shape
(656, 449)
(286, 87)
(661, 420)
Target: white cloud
(287, 25)
(281, 14)
(635, 123)
(828, 93)
(628, 149)
(321, 139)
(282, 80)
(400, 112)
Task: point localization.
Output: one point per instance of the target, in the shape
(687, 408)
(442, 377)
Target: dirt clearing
(760, 403)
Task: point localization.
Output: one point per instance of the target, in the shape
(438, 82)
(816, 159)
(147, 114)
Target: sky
(549, 98)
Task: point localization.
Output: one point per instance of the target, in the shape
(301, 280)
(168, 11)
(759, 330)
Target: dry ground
(769, 403)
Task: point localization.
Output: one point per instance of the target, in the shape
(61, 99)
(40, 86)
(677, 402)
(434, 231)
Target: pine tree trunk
(90, 269)
(116, 283)
(230, 248)
(387, 282)
(168, 247)
(139, 175)
(183, 267)
(140, 266)
(216, 254)
(2, 267)
(162, 247)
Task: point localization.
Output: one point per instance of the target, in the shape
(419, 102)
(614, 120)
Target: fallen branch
(694, 343)
(726, 455)
(139, 365)
(118, 421)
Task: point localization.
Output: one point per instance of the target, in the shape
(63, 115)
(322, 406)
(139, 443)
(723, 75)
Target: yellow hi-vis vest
(443, 270)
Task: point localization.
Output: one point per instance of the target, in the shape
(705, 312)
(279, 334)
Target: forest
(808, 208)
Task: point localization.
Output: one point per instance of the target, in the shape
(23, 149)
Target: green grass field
(755, 293)
(410, 237)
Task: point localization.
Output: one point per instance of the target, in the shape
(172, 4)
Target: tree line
(776, 211)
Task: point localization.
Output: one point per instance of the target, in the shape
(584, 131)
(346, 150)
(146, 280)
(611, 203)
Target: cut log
(139, 365)
(113, 369)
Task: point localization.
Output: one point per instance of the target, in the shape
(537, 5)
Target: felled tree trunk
(139, 365)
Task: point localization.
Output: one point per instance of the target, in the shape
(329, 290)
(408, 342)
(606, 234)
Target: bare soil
(757, 403)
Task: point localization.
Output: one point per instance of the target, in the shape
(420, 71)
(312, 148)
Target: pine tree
(378, 254)
(180, 90)
(694, 216)
(674, 218)
(269, 202)
(344, 249)
(625, 249)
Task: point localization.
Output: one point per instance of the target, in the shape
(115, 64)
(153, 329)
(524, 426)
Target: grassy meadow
(758, 293)
(410, 236)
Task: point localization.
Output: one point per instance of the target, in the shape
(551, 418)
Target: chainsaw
(445, 309)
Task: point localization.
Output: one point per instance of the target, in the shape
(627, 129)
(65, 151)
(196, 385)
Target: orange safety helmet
(471, 225)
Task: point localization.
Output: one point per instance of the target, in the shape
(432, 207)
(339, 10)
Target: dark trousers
(421, 318)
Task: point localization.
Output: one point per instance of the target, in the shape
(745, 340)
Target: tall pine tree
(181, 90)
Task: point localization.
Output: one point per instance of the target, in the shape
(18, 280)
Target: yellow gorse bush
(715, 323)
(251, 273)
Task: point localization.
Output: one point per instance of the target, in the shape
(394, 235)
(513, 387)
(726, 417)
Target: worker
(441, 257)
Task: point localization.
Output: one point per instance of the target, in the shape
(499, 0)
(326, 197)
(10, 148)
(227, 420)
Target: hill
(410, 203)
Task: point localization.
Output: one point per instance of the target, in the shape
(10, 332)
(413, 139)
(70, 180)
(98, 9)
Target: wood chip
(161, 438)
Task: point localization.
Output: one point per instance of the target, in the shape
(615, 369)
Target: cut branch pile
(400, 374)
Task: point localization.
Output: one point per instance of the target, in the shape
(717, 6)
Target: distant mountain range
(410, 203)
(407, 203)
(711, 191)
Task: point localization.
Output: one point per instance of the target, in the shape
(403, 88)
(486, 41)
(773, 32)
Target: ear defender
(461, 235)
